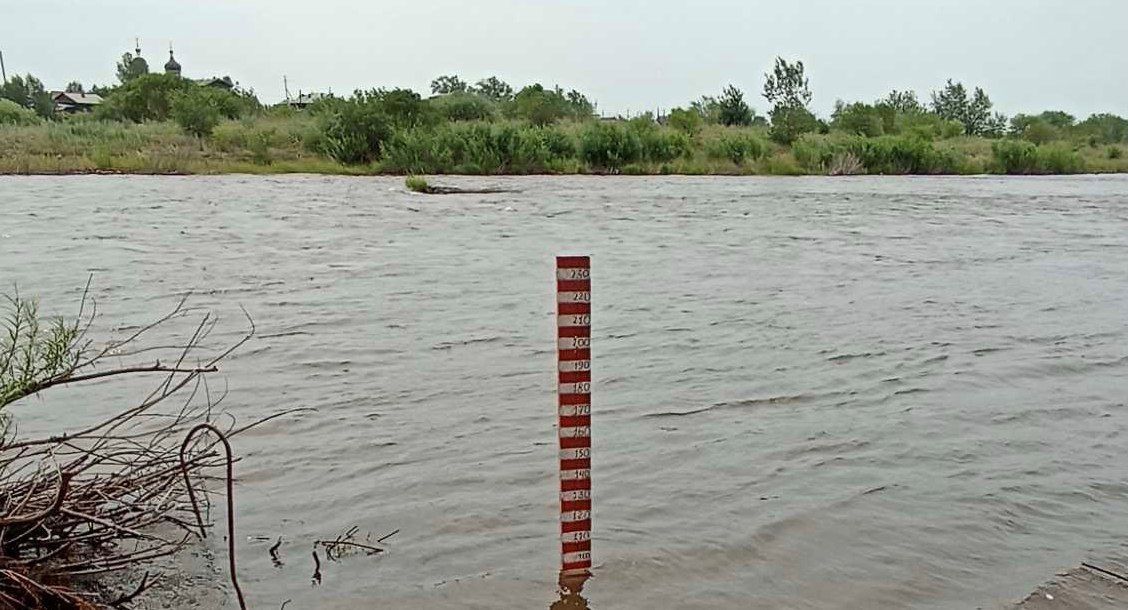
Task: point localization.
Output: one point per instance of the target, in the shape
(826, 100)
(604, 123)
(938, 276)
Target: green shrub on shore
(416, 184)
(609, 146)
(12, 113)
(477, 148)
(737, 146)
(881, 155)
(1023, 157)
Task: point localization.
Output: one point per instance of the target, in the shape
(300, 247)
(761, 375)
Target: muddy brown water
(808, 393)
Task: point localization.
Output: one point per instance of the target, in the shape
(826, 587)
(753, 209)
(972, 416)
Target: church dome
(172, 67)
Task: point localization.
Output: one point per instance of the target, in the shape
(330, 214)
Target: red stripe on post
(575, 421)
(568, 527)
(575, 399)
(576, 547)
(569, 262)
(575, 505)
(573, 285)
(574, 354)
(565, 332)
(575, 485)
(574, 465)
(565, 309)
(576, 442)
(574, 377)
(567, 507)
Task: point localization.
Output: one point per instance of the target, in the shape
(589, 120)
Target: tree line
(377, 124)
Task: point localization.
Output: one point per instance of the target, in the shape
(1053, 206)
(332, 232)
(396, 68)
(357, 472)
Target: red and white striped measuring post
(573, 337)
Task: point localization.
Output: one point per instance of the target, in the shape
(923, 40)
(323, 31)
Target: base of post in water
(573, 581)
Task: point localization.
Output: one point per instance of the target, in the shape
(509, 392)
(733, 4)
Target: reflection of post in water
(571, 585)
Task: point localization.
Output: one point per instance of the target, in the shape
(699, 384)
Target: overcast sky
(627, 55)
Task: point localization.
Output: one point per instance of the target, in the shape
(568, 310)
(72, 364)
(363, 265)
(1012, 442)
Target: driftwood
(102, 499)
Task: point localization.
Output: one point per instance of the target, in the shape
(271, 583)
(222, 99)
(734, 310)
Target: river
(808, 393)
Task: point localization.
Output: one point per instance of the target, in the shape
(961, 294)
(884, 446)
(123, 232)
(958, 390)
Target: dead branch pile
(115, 494)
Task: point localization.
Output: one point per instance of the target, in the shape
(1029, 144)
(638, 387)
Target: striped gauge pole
(573, 332)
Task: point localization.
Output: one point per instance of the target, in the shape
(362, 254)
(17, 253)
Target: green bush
(1114, 152)
(859, 118)
(610, 145)
(926, 125)
(883, 155)
(815, 153)
(688, 122)
(542, 106)
(145, 98)
(1059, 159)
(658, 144)
(790, 122)
(737, 147)
(197, 110)
(1039, 131)
(463, 107)
(352, 132)
(12, 113)
(1022, 157)
(905, 155)
(1015, 156)
(477, 148)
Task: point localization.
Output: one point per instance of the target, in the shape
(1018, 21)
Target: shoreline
(594, 174)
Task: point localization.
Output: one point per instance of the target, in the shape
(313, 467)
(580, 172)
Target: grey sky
(631, 55)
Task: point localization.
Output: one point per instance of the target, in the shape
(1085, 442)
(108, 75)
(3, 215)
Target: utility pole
(3, 72)
(286, 87)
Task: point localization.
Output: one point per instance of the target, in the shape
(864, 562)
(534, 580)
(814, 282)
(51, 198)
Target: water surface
(809, 393)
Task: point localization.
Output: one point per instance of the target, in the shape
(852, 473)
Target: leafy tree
(445, 85)
(28, 92)
(688, 122)
(859, 118)
(903, 102)
(1038, 130)
(542, 106)
(464, 107)
(145, 98)
(952, 103)
(12, 113)
(197, 110)
(1104, 128)
(709, 109)
(787, 85)
(74, 87)
(494, 88)
(131, 67)
(404, 108)
(733, 109)
(996, 126)
(1058, 118)
(582, 107)
(790, 122)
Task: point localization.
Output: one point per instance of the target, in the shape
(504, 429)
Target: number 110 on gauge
(573, 336)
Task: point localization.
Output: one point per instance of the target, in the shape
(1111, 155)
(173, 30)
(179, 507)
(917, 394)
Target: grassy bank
(276, 143)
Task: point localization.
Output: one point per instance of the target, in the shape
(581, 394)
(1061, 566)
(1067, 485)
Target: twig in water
(274, 553)
(1105, 572)
(230, 499)
(316, 568)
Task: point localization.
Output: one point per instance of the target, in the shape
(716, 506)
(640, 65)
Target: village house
(68, 102)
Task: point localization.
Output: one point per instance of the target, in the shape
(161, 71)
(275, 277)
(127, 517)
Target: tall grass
(282, 142)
